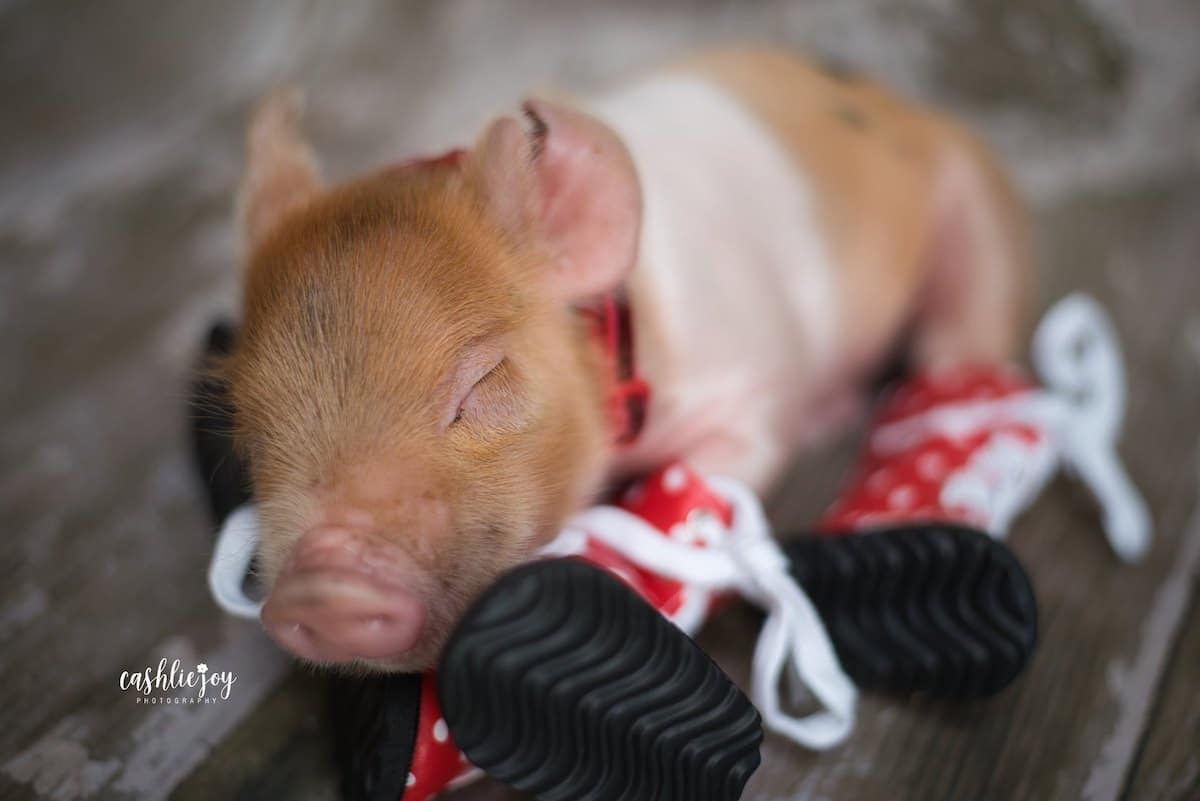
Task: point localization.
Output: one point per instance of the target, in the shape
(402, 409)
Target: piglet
(417, 388)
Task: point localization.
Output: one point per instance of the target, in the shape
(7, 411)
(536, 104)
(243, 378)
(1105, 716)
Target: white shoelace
(1076, 352)
(237, 542)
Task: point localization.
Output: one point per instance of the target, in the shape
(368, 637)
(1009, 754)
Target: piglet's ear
(281, 171)
(567, 184)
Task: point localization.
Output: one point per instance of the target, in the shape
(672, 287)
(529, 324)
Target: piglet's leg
(975, 292)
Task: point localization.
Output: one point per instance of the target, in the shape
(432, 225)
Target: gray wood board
(117, 245)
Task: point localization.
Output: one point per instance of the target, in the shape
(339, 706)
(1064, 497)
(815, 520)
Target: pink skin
(340, 599)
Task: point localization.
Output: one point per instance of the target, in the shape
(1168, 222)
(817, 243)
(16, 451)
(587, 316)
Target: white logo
(166, 684)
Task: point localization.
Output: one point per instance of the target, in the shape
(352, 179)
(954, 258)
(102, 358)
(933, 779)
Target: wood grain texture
(116, 183)
(1168, 762)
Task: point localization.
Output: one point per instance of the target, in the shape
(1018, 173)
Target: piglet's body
(422, 403)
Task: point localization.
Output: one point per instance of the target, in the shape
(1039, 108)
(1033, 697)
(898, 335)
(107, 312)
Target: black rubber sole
(563, 683)
(931, 609)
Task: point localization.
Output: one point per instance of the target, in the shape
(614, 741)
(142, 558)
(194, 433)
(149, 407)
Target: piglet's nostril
(339, 598)
(294, 637)
(342, 617)
(337, 630)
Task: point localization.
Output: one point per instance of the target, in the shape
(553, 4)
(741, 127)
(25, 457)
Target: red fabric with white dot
(907, 482)
(436, 760)
(667, 499)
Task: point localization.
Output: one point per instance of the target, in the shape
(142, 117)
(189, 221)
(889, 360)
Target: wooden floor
(117, 162)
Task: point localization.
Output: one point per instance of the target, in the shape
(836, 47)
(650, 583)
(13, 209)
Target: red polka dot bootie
(952, 455)
(977, 444)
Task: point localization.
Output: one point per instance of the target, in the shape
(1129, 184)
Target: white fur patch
(733, 259)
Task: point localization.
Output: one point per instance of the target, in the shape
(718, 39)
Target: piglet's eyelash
(458, 415)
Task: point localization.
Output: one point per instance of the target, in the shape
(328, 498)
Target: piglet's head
(419, 405)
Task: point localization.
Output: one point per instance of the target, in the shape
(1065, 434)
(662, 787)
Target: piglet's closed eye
(476, 363)
(496, 400)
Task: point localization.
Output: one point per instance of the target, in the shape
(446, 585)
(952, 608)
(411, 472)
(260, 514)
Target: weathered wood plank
(117, 246)
(282, 751)
(1168, 763)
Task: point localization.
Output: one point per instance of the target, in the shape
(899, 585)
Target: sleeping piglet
(421, 401)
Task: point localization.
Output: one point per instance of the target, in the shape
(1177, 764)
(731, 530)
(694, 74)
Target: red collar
(628, 393)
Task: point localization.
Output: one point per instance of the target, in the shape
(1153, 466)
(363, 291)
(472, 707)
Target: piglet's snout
(340, 598)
